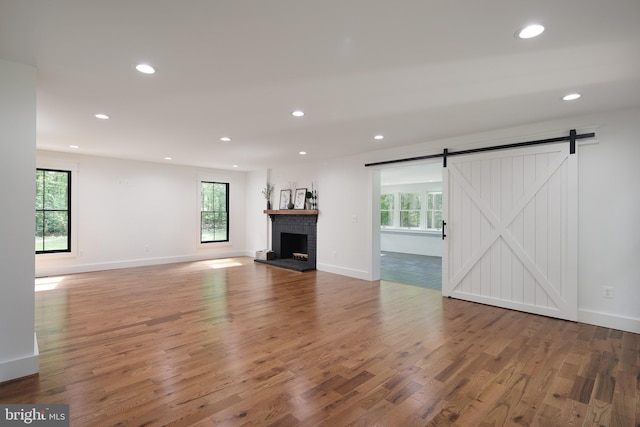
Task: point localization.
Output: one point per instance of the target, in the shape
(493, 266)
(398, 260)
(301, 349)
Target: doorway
(510, 224)
(411, 224)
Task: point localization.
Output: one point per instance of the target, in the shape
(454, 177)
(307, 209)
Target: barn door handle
(444, 223)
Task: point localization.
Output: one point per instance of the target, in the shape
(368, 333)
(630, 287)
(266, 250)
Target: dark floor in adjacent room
(418, 270)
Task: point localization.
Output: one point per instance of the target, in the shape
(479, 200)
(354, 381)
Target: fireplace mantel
(273, 212)
(291, 211)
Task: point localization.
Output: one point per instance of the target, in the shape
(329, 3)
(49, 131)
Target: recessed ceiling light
(378, 137)
(74, 146)
(102, 116)
(145, 68)
(167, 158)
(225, 139)
(530, 31)
(298, 113)
(571, 97)
(302, 153)
(234, 166)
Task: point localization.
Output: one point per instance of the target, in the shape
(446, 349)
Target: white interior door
(511, 229)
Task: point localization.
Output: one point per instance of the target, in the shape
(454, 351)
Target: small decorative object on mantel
(266, 192)
(292, 189)
(314, 196)
(307, 202)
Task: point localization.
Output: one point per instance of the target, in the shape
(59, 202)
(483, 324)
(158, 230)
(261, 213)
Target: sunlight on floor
(47, 283)
(224, 263)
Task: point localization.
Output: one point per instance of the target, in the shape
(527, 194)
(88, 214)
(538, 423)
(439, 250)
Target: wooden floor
(236, 343)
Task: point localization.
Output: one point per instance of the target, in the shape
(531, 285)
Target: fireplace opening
(293, 243)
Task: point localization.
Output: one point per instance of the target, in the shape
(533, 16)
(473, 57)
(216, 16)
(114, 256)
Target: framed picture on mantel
(285, 198)
(301, 195)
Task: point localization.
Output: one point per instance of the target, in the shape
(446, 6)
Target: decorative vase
(290, 205)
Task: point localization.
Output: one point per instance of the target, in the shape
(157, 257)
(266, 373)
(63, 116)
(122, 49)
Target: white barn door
(511, 229)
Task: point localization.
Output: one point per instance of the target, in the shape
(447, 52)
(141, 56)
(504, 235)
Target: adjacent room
(320, 213)
(411, 225)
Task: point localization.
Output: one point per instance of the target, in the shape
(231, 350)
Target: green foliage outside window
(53, 212)
(410, 205)
(434, 210)
(422, 210)
(386, 210)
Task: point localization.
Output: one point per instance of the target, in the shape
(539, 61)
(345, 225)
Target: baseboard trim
(349, 272)
(607, 320)
(22, 367)
(143, 262)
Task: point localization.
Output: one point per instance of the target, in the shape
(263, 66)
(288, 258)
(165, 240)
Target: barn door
(511, 229)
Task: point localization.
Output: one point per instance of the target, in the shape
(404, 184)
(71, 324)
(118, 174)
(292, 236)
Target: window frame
(69, 210)
(201, 211)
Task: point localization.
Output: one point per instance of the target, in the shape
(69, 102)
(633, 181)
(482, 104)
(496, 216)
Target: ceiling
(412, 173)
(411, 70)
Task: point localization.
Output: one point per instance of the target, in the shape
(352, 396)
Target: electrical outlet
(607, 291)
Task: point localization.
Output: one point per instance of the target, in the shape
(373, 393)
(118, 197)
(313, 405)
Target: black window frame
(43, 210)
(226, 211)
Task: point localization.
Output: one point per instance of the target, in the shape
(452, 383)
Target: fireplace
(293, 239)
(293, 245)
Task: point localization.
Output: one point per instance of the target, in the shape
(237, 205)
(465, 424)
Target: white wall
(346, 222)
(129, 213)
(411, 242)
(609, 223)
(18, 348)
(258, 226)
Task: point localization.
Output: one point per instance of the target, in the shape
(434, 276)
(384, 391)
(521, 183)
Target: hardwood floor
(236, 343)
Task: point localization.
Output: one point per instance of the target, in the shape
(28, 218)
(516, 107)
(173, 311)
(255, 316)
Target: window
(214, 212)
(53, 211)
(420, 210)
(410, 204)
(434, 210)
(386, 210)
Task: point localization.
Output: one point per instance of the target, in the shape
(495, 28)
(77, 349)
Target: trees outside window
(434, 210)
(214, 212)
(416, 211)
(410, 208)
(386, 210)
(53, 211)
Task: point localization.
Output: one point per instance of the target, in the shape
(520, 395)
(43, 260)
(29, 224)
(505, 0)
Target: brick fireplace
(293, 233)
